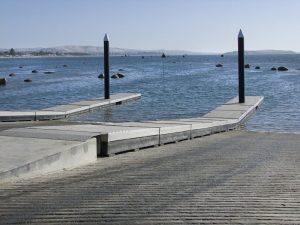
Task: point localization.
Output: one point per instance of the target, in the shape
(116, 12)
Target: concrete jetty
(62, 146)
(63, 111)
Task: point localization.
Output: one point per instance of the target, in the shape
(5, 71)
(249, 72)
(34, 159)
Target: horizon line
(149, 50)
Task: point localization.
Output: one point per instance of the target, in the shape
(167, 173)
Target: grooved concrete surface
(235, 177)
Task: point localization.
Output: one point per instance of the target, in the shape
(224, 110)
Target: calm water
(174, 87)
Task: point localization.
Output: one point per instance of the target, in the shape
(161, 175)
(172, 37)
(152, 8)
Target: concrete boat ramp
(30, 151)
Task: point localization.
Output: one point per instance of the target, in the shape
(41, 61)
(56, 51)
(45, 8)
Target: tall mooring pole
(106, 67)
(241, 67)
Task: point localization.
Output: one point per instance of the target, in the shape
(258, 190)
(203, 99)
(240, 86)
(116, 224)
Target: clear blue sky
(195, 25)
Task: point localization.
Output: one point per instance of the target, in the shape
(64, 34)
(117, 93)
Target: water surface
(174, 87)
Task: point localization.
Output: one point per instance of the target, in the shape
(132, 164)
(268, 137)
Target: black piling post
(106, 67)
(241, 67)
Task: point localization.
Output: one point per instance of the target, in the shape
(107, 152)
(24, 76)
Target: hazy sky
(195, 25)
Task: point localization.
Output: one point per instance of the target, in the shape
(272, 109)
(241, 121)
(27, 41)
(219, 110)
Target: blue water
(174, 87)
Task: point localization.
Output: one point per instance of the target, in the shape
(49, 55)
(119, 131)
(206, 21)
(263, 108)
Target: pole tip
(241, 34)
(105, 38)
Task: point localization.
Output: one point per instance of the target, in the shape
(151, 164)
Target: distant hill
(78, 50)
(263, 52)
(95, 50)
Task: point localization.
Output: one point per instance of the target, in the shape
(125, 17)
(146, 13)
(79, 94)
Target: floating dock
(30, 151)
(63, 111)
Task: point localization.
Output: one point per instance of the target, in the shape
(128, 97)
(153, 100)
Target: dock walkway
(29, 151)
(63, 111)
(232, 178)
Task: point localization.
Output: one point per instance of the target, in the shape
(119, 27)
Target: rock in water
(34, 71)
(48, 72)
(219, 65)
(257, 67)
(247, 66)
(118, 76)
(27, 80)
(282, 68)
(65, 65)
(2, 81)
(101, 76)
(12, 74)
(273, 68)
(115, 76)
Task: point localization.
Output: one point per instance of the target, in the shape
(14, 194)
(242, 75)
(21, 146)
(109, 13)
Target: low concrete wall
(114, 147)
(67, 157)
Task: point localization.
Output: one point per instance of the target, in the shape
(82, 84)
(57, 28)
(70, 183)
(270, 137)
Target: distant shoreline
(48, 56)
(96, 51)
(100, 56)
(90, 56)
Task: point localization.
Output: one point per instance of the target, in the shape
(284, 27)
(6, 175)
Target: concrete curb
(65, 158)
